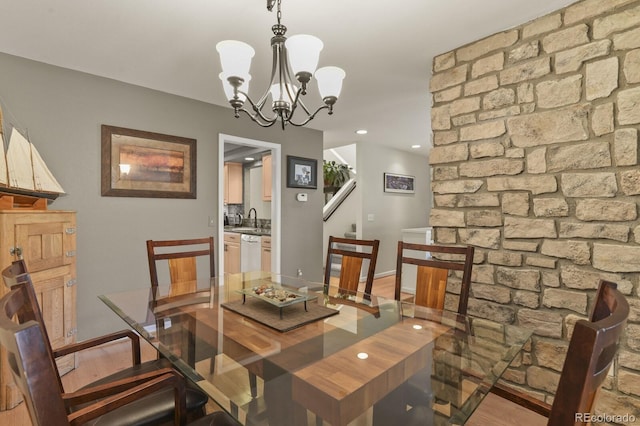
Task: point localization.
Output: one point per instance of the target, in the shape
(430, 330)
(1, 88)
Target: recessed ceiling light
(361, 132)
(415, 146)
(249, 158)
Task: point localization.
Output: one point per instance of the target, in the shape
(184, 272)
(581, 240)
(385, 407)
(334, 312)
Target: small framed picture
(302, 172)
(399, 183)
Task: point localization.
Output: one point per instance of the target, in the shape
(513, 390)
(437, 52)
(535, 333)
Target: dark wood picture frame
(136, 163)
(403, 184)
(302, 172)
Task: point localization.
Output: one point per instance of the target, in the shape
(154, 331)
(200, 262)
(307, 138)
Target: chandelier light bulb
(330, 81)
(288, 95)
(303, 51)
(235, 57)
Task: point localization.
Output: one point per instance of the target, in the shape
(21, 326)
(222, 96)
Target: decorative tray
(277, 295)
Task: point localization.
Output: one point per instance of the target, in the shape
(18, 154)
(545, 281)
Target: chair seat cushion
(152, 409)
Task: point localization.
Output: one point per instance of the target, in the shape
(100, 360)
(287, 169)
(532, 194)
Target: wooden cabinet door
(46, 245)
(233, 183)
(266, 178)
(266, 258)
(265, 254)
(49, 251)
(231, 253)
(226, 183)
(55, 290)
(232, 258)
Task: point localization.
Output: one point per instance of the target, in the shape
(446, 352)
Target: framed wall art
(399, 183)
(136, 163)
(302, 172)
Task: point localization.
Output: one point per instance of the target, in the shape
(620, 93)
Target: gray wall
(392, 211)
(62, 110)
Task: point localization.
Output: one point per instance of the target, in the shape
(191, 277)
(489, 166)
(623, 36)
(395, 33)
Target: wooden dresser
(47, 241)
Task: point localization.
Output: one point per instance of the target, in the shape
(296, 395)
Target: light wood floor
(98, 362)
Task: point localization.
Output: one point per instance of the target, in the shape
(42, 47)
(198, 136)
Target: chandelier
(297, 55)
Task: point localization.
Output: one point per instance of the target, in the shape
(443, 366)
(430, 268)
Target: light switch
(301, 197)
(371, 217)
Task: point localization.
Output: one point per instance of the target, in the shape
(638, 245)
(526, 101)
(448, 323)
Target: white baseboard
(384, 274)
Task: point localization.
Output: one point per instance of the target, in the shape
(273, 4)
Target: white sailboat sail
(22, 169)
(26, 169)
(19, 162)
(43, 179)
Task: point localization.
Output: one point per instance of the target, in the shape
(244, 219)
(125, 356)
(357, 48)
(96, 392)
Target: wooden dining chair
(433, 265)
(352, 253)
(591, 353)
(181, 256)
(154, 393)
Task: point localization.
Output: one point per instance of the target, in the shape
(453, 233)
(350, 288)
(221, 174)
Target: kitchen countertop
(247, 230)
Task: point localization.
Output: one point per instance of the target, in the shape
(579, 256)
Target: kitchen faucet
(255, 217)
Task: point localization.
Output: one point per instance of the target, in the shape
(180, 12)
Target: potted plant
(335, 175)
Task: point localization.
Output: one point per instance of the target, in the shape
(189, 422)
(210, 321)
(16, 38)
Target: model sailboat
(23, 171)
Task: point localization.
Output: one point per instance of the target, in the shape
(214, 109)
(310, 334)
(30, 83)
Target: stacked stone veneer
(535, 163)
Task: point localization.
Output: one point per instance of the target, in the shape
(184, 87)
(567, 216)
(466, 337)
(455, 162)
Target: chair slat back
(433, 287)
(433, 272)
(17, 276)
(183, 269)
(350, 273)
(591, 352)
(181, 257)
(30, 359)
(352, 262)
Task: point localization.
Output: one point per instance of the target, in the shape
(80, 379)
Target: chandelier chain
(278, 12)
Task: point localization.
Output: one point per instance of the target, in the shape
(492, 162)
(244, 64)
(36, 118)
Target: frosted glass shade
(303, 52)
(330, 81)
(235, 57)
(275, 93)
(228, 88)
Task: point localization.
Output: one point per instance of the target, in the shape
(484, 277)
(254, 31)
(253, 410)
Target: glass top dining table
(318, 353)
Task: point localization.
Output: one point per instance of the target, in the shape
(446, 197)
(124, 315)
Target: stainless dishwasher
(250, 259)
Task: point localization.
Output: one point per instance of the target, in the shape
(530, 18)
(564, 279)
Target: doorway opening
(237, 149)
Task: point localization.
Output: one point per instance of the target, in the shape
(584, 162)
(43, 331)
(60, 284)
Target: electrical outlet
(299, 272)
(212, 221)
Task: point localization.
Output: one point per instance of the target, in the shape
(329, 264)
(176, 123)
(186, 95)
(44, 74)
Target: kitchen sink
(245, 229)
(248, 230)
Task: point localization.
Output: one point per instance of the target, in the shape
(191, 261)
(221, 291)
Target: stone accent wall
(535, 162)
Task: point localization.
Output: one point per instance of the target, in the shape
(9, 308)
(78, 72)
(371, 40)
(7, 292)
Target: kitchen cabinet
(265, 253)
(266, 178)
(47, 242)
(232, 183)
(231, 252)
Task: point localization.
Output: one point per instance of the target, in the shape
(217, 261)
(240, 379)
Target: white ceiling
(385, 47)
